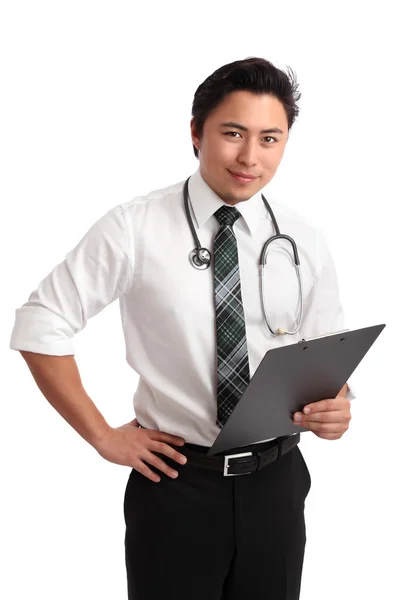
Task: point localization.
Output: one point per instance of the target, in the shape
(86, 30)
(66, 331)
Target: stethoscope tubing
(200, 258)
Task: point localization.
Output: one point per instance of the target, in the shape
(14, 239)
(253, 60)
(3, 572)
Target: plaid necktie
(233, 364)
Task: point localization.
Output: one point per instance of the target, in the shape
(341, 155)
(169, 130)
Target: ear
(194, 134)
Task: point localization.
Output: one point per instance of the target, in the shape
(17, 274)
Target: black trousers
(203, 536)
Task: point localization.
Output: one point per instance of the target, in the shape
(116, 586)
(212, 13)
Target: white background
(95, 109)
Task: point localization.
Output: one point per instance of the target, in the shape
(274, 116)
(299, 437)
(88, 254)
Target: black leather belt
(244, 462)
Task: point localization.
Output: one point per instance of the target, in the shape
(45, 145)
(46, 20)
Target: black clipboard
(288, 378)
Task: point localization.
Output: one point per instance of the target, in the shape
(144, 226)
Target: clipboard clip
(321, 336)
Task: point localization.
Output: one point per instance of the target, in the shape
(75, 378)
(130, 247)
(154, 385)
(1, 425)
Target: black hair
(252, 74)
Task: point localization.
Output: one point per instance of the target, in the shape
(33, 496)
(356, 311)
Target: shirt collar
(205, 202)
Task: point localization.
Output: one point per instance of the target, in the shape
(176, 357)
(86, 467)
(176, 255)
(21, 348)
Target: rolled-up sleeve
(323, 311)
(92, 275)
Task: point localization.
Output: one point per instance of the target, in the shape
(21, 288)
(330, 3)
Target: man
(195, 336)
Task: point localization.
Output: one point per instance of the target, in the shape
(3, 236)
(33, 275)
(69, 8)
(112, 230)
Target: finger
(338, 403)
(157, 462)
(140, 467)
(324, 427)
(166, 437)
(162, 448)
(334, 416)
(328, 436)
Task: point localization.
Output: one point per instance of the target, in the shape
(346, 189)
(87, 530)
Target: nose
(248, 154)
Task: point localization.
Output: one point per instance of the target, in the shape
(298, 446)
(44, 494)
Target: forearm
(59, 380)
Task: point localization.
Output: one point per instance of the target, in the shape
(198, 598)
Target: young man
(195, 336)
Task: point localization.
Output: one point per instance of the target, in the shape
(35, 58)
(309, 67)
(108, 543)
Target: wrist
(98, 434)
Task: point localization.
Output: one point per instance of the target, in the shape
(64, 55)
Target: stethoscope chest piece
(200, 258)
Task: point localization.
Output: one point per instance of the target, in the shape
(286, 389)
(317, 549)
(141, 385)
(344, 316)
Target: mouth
(242, 177)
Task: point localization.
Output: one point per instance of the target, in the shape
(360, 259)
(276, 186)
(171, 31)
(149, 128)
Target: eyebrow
(238, 126)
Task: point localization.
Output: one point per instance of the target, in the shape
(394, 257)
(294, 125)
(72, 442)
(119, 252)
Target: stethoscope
(200, 258)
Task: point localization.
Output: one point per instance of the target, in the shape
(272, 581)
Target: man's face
(227, 149)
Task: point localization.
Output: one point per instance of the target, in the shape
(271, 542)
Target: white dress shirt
(138, 252)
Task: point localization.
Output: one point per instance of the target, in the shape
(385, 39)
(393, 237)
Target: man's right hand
(130, 445)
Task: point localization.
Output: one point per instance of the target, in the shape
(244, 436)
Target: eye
(265, 138)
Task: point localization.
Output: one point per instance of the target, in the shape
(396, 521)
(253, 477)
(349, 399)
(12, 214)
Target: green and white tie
(233, 364)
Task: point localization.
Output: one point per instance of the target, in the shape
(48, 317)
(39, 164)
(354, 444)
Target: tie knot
(227, 215)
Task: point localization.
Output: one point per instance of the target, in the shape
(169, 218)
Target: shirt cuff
(38, 330)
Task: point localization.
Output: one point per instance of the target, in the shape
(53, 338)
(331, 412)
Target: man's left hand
(328, 419)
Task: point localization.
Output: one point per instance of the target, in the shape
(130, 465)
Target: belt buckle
(226, 463)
